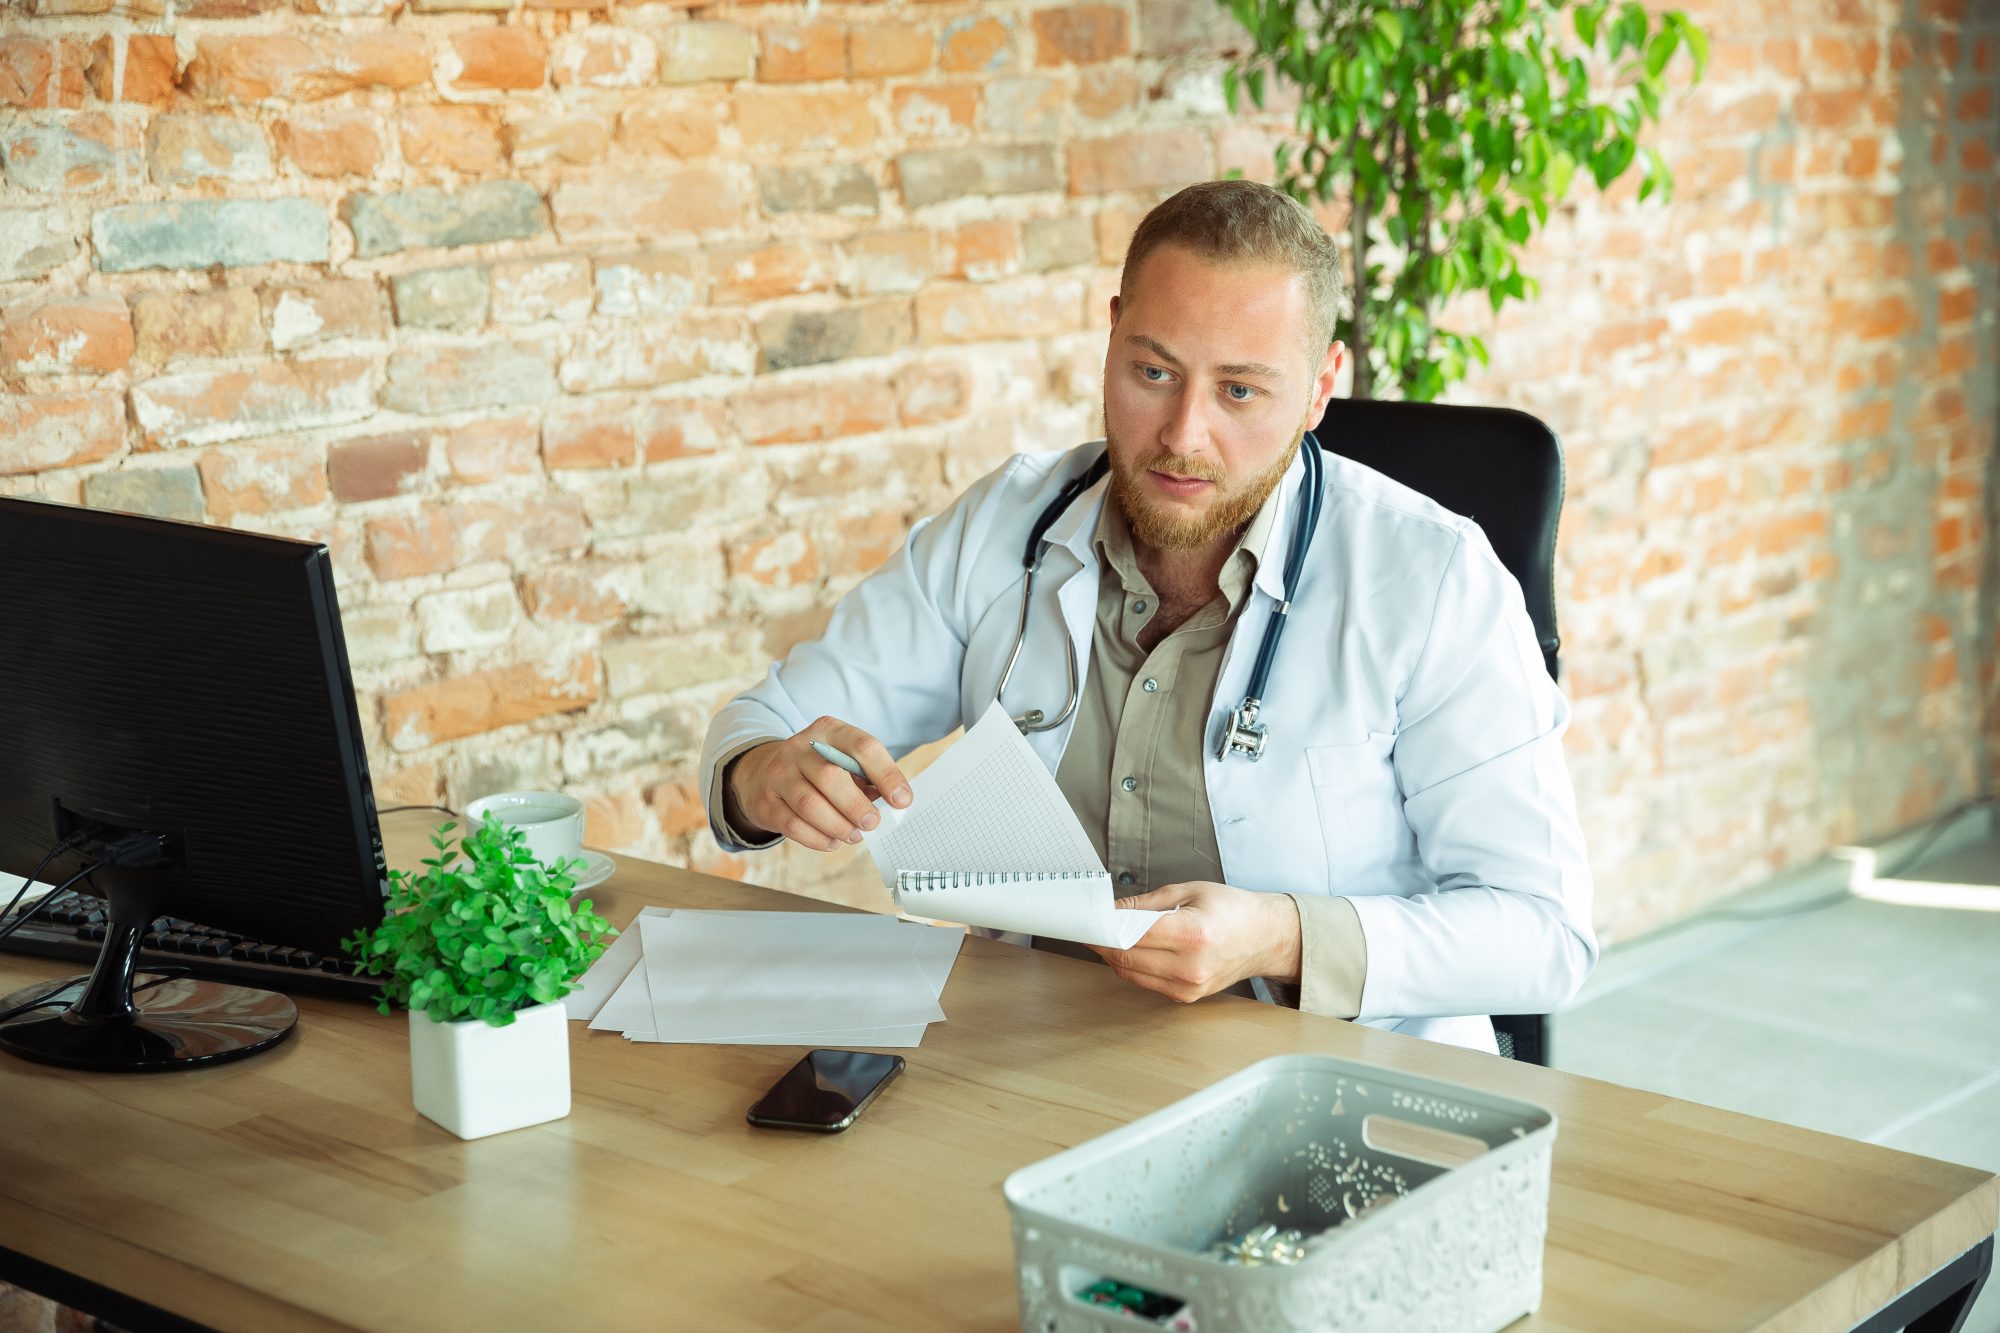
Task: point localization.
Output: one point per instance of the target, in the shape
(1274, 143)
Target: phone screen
(826, 1090)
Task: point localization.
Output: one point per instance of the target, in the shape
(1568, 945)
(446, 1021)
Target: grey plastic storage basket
(1297, 1140)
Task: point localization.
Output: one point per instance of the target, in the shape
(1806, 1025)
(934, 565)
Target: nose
(1185, 430)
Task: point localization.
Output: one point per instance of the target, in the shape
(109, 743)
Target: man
(1405, 852)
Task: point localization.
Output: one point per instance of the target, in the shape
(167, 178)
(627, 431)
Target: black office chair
(1504, 470)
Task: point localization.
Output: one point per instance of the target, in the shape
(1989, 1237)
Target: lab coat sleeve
(1478, 757)
(890, 658)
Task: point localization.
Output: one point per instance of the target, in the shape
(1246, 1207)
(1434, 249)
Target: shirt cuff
(718, 806)
(1333, 956)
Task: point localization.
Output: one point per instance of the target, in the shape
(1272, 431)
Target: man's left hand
(1219, 936)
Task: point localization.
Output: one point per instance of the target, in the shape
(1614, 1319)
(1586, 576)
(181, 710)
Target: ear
(1114, 310)
(1327, 378)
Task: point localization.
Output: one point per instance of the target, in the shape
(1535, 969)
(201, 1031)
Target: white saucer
(597, 868)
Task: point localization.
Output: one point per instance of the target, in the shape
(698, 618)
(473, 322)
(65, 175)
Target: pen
(833, 756)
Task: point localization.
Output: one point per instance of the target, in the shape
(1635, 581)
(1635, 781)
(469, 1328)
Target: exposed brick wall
(606, 346)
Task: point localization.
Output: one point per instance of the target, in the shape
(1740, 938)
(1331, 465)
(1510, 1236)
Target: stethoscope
(1245, 735)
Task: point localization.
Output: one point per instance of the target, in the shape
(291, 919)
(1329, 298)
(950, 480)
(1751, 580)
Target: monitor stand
(97, 1022)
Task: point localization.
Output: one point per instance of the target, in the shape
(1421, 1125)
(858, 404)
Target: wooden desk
(299, 1189)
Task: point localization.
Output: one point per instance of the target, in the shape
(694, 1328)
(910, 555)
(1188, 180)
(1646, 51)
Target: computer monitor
(177, 694)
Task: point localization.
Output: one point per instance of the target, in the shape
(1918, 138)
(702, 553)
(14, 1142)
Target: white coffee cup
(551, 823)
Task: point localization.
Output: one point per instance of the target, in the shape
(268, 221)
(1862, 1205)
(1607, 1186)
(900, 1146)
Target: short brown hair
(1239, 220)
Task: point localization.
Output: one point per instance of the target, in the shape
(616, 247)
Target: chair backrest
(1501, 468)
(1504, 470)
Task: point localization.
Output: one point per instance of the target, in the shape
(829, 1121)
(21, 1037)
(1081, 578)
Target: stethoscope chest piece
(1245, 735)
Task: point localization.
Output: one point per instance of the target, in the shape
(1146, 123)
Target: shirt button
(1125, 878)
(1151, 685)
(1130, 784)
(1139, 607)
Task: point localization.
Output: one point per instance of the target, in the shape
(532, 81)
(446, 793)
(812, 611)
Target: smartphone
(825, 1091)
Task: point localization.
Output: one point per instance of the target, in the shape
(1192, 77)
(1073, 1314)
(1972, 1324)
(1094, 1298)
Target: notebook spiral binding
(916, 881)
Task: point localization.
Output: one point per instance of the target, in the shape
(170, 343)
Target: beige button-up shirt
(1132, 768)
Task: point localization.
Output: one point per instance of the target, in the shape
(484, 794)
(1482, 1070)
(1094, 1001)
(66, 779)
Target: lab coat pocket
(1360, 810)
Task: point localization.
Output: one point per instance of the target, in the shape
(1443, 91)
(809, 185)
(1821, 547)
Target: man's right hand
(784, 787)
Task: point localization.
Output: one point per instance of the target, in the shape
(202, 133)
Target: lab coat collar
(1078, 525)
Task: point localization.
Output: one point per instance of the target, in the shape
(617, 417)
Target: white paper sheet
(779, 972)
(989, 805)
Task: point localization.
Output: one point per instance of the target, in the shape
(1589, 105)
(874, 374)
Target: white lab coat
(1415, 759)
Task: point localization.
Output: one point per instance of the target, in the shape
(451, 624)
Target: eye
(1243, 397)
(1146, 373)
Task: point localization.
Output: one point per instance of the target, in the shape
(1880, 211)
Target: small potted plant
(481, 952)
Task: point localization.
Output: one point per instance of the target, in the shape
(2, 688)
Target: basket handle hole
(1421, 1143)
(1078, 1282)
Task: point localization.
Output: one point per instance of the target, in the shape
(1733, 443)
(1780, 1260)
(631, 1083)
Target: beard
(1167, 527)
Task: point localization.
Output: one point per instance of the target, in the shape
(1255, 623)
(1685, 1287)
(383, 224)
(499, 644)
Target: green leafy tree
(1453, 126)
(481, 938)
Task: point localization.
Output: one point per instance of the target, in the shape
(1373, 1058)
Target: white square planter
(476, 1079)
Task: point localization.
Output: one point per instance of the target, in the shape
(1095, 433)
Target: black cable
(161, 976)
(36, 873)
(51, 896)
(395, 809)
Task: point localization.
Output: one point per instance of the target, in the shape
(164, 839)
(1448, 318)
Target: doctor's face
(1208, 388)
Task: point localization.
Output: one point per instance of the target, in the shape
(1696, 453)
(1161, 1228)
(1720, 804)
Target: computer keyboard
(74, 929)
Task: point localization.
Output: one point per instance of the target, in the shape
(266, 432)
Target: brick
(790, 338)
(1023, 105)
(658, 666)
(211, 407)
(884, 50)
(640, 355)
(601, 56)
(1105, 91)
(929, 393)
(933, 111)
(860, 547)
(678, 808)
(886, 261)
(791, 53)
(376, 636)
(378, 466)
(76, 154)
(684, 128)
(681, 582)
(39, 73)
(262, 479)
(488, 211)
(642, 736)
(456, 620)
(706, 51)
(59, 430)
(933, 175)
(502, 59)
(454, 534)
(331, 144)
(975, 44)
(431, 381)
(151, 70)
(456, 138)
(233, 233)
(1081, 35)
(442, 298)
(526, 290)
(844, 189)
(981, 251)
(1048, 243)
(290, 68)
(162, 492)
(484, 451)
(590, 434)
(672, 203)
(658, 286)
(35, 241)
(476, 702)
(182, 150)
(678, 427)
(763, 272)
(800, 413)
(670, 499)
(302, 316)
(775, 560)
(1187, 28)
(172, 328)
(789, 120)
(1154, 159)
(1025, 308)
(451, 6)
(534, 138)
(569, 594)
(66, 336)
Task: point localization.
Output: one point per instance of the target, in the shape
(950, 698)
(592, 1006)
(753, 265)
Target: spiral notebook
(989, 840)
